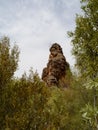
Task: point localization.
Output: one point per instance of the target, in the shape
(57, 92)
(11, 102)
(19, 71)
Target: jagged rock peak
(56, 67)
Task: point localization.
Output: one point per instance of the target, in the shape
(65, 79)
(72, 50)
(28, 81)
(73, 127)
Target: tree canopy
(85, 39)
(85, 49)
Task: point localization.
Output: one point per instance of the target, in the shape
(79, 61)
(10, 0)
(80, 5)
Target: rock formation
(56, 66)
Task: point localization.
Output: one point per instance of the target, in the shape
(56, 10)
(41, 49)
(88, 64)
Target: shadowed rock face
(56, 66)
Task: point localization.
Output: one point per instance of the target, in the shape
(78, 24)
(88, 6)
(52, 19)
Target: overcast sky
(34, 25)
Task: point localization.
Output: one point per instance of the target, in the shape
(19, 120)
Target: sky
(34, 25)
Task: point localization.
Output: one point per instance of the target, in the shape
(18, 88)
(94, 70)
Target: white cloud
(35, 26)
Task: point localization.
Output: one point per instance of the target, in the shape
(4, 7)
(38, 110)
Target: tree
(8, 61)
(26, 103)
(63, 109)
(8, 65)
(85, 49)
(85, 40)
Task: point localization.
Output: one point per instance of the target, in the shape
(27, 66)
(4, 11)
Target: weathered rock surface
(56, 66)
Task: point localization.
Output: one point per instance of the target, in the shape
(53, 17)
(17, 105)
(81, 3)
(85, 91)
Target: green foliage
(8, 61)
(85, 40)
(8, 65)
(29, 104)
(92, 84)
(63, 108)
(85, 49)
(90, 115)
(26, 103)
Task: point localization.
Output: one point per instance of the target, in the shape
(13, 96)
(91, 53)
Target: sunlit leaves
(91, 84)
(90, 114)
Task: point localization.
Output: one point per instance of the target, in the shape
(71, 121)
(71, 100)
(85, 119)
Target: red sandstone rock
(56, 66)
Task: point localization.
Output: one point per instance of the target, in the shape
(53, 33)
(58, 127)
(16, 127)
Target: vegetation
(85, 49)
(26, 103)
